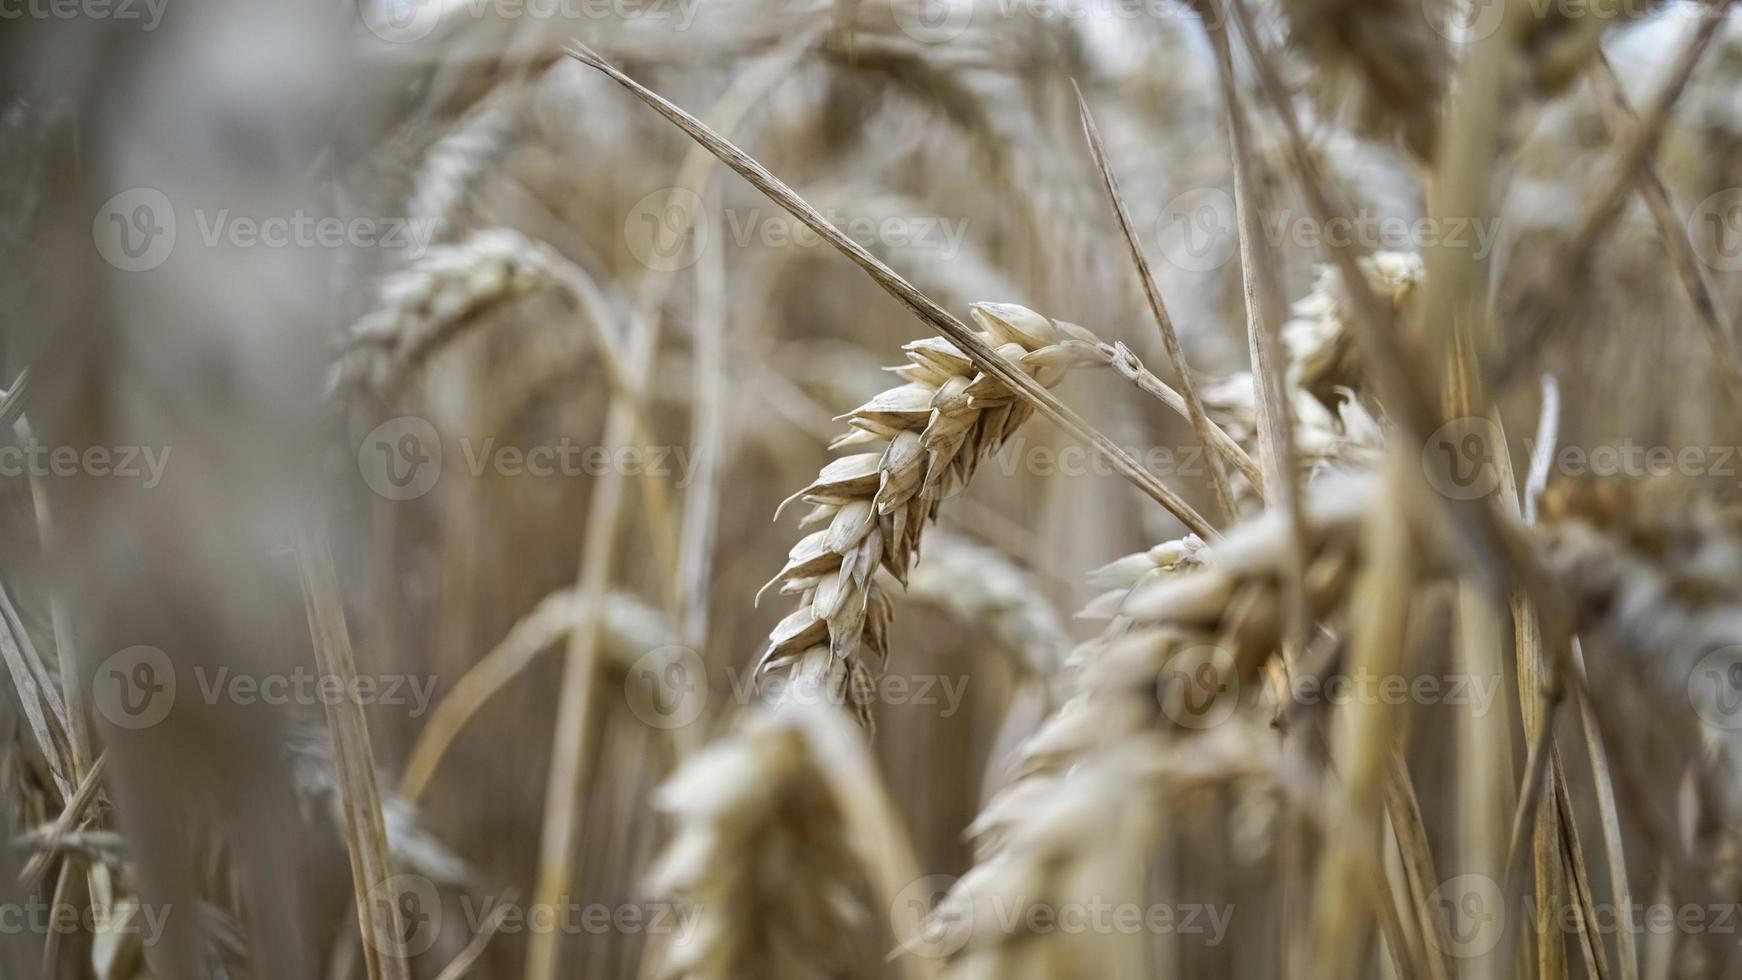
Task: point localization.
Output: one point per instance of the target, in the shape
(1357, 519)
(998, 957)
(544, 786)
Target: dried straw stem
(372, 877)
(1152, 292)
(959, 333)
(561, 831)
(1542, 309)
(1713, 320)
(1121, 359)
(629, 625)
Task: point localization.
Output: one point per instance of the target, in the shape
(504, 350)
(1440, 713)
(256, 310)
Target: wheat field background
(1255, 489)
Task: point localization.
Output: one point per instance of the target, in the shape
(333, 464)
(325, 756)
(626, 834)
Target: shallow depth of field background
(328, 287)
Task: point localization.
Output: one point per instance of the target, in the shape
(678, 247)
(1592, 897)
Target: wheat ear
(789, 852)
(429, 304)
(874, 505)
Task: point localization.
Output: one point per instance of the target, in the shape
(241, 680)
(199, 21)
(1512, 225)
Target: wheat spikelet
(1335, 429)
(786, 850)
(1228, 599)
(1562, 41)
(1656, 567)
(1076, 838)
(1654, 561)
(452, 165)
(937, 428)
(427, 305)
(1131, 719)
(1121, 576)
(982, 586)
(1319, 334)
(414, 849)
(1226, 612)
(1385, 57)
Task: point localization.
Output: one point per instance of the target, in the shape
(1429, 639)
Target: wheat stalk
(372, 874)
(983, 588)
(631, 628)
(1157, 307)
